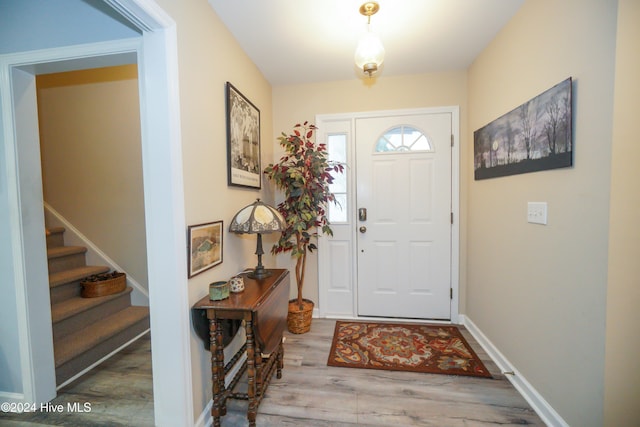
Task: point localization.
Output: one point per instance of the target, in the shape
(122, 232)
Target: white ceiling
(304, 41)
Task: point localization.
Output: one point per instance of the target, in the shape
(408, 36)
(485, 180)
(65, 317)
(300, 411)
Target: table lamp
(257, 218)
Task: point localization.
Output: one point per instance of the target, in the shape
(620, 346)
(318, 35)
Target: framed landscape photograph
(243, 140)
(536, 136)
(205, 247)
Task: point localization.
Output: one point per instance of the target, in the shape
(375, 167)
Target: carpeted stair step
(80, 349)
(55, 237)
(66, 284)
(76, 313)
(66, 257)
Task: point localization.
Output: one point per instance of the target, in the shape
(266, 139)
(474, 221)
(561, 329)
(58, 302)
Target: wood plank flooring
(120, 392)
(309, 394)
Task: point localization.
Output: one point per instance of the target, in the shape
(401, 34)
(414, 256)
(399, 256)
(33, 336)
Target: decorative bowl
(218, 291)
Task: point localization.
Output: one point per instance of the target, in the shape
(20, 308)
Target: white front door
(403, 217)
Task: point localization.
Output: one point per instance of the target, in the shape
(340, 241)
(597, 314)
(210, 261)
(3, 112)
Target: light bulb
(369, 53)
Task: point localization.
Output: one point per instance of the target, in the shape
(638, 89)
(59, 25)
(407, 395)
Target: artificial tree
(304, 174)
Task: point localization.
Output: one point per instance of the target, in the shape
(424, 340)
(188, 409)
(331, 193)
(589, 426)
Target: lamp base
(259, 273)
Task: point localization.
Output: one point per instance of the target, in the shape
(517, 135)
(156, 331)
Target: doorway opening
(394, 250)
(32, 372)
(90, 150)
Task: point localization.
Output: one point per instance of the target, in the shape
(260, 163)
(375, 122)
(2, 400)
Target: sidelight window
(337, 148)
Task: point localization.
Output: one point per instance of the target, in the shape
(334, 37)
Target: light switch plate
(537, 212)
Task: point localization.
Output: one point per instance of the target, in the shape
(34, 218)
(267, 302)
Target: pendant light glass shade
(369, 53)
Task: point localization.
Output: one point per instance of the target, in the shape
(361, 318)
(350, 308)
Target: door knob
(363, 229)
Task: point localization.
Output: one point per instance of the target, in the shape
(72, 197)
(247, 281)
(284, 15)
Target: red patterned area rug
(435, 349)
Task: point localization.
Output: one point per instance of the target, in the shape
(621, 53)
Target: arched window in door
(403, 139)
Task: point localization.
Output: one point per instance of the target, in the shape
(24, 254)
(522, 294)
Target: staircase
(85, 330)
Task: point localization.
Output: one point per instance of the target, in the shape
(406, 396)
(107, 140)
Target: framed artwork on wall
(205, 246)
(243, 140)
(535, 136)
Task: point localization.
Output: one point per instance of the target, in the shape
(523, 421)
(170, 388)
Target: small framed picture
(243, 140)
(205, 247)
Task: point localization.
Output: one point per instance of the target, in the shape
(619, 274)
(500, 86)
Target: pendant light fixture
(370, 52)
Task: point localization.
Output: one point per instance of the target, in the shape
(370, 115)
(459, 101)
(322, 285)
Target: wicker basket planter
(299, 321)
(304, 174)
(100, 285)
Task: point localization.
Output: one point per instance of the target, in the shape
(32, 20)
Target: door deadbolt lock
(363, 229)
(362, 214)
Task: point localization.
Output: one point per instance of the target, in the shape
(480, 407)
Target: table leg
(251, 375)
(259, 373)
(280, 360)
(219, 407)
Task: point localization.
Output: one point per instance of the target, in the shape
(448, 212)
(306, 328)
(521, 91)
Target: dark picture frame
(535, 136)
(243, 140)
(205, 246)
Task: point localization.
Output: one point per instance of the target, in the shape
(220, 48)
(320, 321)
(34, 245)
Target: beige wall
(622, 379)
(297, 103)
(539, 292)
(208, 56)
(91, 159)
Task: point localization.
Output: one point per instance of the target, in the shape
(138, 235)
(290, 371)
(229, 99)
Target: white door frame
(157, 59)
(323, 259)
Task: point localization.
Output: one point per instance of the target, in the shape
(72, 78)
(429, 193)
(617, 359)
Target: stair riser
(66, 262)
(55, 240)
(69, 283)
(86, 359)
(84, 338)
(87, 317)
(64, 292)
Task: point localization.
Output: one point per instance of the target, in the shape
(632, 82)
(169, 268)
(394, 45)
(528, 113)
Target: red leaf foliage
(303, 174)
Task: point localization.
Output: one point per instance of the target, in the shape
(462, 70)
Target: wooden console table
(263, 306)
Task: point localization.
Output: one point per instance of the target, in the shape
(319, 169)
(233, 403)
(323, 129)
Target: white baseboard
(205, 419)
(545, 411)
(10, 397)
(530, 394)
(98, 362)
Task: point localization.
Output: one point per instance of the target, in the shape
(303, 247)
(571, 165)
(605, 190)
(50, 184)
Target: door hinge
(452, 140)
(451, 218)
(451, 293)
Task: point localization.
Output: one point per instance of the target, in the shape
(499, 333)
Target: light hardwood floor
(120, 392)
(311, 393)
